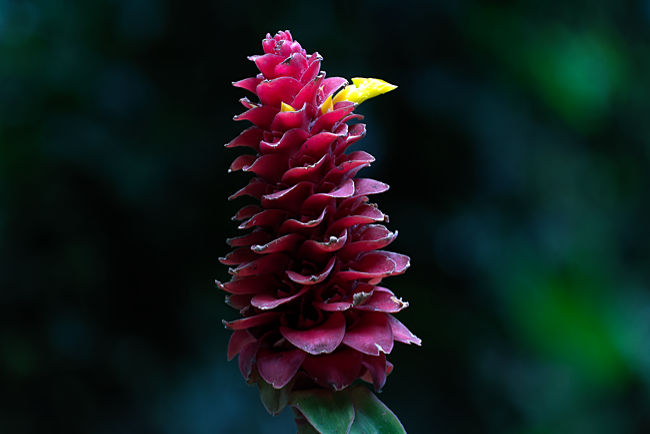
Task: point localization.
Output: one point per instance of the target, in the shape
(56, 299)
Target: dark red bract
(305, 276)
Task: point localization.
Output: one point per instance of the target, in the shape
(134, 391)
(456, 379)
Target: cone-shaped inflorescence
(306, 274)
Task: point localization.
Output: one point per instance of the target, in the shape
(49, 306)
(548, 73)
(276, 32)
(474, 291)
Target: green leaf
(306, 429)
(372, 415)
(274, 400)
(327, 411)
(301, 423)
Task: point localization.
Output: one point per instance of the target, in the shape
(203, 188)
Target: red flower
(305, 278)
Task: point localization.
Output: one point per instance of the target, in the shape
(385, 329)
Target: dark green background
(516, 147)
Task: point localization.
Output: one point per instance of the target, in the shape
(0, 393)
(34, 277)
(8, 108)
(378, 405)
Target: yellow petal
(363, 89)
(284, 107)
(327, 105)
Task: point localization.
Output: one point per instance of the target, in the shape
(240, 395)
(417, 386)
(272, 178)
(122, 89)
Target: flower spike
(305, 275)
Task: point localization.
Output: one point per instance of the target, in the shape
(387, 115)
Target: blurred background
(516, 147)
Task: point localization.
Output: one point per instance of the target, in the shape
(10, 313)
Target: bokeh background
(517, 149)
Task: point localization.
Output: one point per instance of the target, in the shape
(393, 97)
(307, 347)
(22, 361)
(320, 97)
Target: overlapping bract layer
(305, 277)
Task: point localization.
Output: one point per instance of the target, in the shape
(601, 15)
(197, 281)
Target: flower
(306, 276)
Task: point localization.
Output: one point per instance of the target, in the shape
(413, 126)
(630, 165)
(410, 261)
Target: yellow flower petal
(327, 105)
(363, 89)
(284, 107)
